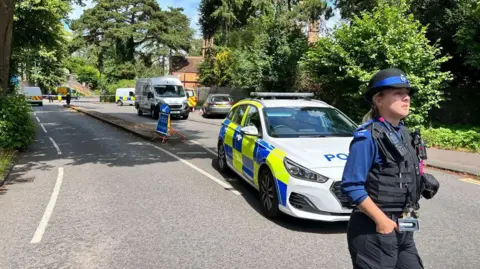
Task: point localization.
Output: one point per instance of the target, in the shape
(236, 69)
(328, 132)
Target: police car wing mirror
(250, 130)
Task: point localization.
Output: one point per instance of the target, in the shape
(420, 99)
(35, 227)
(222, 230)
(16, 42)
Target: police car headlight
(301, 172)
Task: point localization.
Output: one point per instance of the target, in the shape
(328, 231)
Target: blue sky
(190, 10)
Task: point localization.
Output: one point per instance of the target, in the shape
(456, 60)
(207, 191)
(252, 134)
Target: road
(111, 200)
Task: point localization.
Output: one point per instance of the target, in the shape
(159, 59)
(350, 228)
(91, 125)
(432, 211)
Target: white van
(151, 93)
(125, 96)
(33, 95)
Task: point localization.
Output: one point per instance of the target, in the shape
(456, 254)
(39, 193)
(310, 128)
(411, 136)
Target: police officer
(383, 179)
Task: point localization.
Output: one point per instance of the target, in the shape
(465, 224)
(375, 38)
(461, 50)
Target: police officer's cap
(388, 78)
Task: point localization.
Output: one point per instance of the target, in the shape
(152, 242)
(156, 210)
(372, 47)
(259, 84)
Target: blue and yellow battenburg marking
(126, 98)
(246, 155)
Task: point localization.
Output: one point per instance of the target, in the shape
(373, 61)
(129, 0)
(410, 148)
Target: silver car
(217, 104)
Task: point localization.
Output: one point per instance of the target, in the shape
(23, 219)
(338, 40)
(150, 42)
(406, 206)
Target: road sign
(163, 124)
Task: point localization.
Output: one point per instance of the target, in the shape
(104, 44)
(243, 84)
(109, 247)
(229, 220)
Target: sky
(190, 10)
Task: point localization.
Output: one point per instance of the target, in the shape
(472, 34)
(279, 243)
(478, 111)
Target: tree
(386, 37)
(7, 10)
(127, 30)
(351, 8)
(6, 28)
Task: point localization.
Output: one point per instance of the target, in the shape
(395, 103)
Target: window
(239, 114)
(253, 118)
(189, 93)
(146, 89)
(169, 91)
(232, 113)
(285, 122)
(132, 94)
(220, 99)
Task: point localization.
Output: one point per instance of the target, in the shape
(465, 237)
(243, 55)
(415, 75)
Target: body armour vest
(395, 184)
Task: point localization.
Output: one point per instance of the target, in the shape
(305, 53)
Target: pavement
(92, 195)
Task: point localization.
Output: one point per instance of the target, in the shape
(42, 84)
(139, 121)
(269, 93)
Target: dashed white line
(222, 183)
(43, 127)
(37, 119)
(201, 145)
(37, 237)
(56, 146)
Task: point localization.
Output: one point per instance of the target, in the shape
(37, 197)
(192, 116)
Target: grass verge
(6, 157)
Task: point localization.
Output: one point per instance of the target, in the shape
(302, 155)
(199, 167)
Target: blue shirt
(363, 155)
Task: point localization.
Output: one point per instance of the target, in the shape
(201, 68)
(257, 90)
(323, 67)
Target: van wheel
(139, 112)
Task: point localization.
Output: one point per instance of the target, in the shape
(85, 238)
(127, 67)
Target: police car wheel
(268, 194)
(221, 158)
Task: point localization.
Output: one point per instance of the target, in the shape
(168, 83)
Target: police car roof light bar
(305, 95)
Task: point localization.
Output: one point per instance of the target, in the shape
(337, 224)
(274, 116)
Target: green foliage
(124, 83)
(453, 138)
(124, 33)
(6, 157)
(468, 35)
(17, 129)
(86, 73)
(262, 55)
(40, 42)
(387, 37)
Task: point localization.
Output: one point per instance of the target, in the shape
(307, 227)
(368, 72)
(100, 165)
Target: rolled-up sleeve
(360, 159)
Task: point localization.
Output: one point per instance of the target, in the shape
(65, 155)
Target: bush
(389, 36)
(17, 129)
(453, 138)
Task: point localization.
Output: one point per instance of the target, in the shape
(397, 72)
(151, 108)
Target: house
(186, 68)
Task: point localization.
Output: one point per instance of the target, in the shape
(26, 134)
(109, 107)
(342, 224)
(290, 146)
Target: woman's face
(394, 102)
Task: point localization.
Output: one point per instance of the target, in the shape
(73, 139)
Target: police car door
(233, 139)
(249, 166)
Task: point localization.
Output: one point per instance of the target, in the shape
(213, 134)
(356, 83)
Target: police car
(292, 149)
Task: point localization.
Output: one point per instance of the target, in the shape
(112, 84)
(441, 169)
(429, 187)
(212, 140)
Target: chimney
(313, 31)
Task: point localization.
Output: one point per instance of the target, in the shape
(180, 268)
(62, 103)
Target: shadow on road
(250, 195)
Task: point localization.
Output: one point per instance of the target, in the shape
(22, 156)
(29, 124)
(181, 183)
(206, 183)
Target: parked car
(217, 104)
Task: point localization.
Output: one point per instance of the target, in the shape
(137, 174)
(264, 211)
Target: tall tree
(127, 29)
(7, 10)
(6, 28)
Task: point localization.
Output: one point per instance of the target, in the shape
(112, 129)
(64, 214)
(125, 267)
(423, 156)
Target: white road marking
(37, 237)
(190, 153)
(34, 113)
(221, 182)
(201, 145)
(56, 146)
(37, 119)
(43, 127)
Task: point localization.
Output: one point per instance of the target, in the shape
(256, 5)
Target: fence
(236, 94)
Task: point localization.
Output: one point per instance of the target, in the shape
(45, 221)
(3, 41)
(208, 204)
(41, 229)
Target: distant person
(383, 179)
(68, 98)
(50, 97)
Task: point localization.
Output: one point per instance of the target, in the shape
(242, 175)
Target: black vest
(395, 184)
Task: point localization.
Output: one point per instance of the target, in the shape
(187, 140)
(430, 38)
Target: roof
(290, 103)
(188, 64)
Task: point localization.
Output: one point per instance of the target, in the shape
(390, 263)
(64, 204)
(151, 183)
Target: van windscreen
(169, 91)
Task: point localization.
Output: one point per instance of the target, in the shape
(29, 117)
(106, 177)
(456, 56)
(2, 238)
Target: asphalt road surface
(88, 195)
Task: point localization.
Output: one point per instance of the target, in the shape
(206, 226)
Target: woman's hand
(386, 226)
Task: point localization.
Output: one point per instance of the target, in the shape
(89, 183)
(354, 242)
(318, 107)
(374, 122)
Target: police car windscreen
(169, 91)
(287, 122)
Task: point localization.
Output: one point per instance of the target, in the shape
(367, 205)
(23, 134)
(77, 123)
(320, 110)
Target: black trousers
(372, 250)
